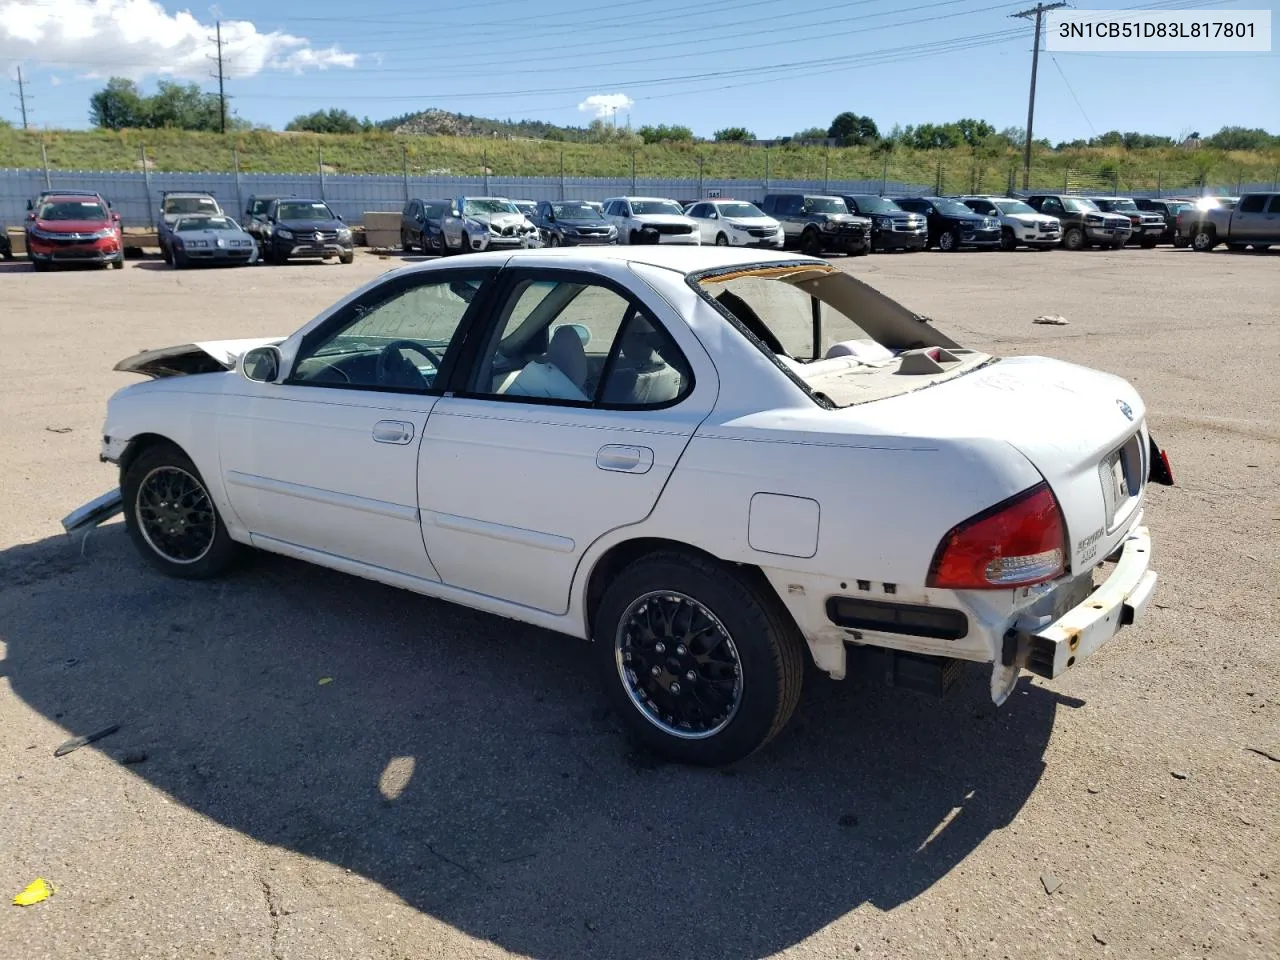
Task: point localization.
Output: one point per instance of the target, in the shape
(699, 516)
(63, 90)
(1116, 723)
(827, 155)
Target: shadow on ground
(526, 819)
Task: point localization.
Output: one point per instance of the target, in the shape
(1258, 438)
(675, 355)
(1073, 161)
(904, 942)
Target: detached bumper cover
(1120, 601)
(96, 511)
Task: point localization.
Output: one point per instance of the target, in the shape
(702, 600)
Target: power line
(1073, 93)
(22, 97)
(1040, 9)
(220, 76)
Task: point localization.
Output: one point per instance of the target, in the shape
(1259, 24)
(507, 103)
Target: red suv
(74, 228)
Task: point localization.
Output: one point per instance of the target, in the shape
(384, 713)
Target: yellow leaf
(37, 890)
(324, 680)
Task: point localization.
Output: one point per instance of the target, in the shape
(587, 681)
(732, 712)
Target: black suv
(816, 223)
(421, 227)
(1168, 211)
(572, 223)
(952, 225)
(305, 228)
(892, 228)
(255, 219)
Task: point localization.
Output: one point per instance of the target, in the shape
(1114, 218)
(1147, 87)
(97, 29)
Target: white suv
(650, 220)
(736, 223)
(1020, 223)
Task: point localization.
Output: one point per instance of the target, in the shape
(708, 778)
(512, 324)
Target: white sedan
(713, 464)
(735, 223)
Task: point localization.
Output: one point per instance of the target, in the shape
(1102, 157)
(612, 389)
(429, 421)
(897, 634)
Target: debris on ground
(325, 680)
(848, 820)
(1092, 789)
(130, 757)
(37, 890)
(1051, 883)
(1179, 774)
(1099, 940)
(75, 743)
(59, 429)
(1264, 753)
(1052, 319)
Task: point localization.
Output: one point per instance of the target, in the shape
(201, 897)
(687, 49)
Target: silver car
(210, 240)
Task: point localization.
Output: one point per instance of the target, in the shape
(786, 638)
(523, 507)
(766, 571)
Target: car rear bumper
(1120, 600)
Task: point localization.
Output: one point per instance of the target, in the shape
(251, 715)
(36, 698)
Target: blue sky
(773, 66)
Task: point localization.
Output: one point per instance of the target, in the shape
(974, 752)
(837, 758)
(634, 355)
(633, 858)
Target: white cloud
(55, 81)
(606, 104)
(138, 38)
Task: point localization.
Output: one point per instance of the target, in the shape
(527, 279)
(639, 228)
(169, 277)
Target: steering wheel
(391, 353)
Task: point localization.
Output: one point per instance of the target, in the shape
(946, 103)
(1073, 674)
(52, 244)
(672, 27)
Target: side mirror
(115, 217)
(581, 330)
(551, 218)
(261, 365)
(337, 217)
(30, 205)
(31, 216)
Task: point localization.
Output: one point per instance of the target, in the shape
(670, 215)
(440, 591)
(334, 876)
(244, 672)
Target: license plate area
(1122, 474)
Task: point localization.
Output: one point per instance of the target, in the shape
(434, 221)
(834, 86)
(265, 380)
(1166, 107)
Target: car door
(451, 225)
(701, 213)
(1249, 219)
(327, 458)
(1271, 229)
(574, 410)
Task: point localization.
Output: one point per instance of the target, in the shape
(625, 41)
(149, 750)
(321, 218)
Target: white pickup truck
(1253, 222)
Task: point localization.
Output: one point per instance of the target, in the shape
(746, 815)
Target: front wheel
(1007, 240)
(348, 257)
(171, 517)
(1074, 239)
(721, 240)
(705, 664)
(811, 243)
(949, 241)
(1147, 244)
(553, 240)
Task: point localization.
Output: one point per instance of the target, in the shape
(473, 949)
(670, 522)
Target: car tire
(118, 264)
(39, 266)
(1074, 239)
(758, 653)
(1181, 243)
(466, 243)
(861, 251)
(721, 240)
(1007, 240)
(949, 241)
(553, 240)
(1203, 240)
(347, 257)
(1118, 244)
(1147, 244)
(631, 239)
(171, 517)
(179, 261)
(811, 243)
(1257, 248)
(1236, 247)
(405, 245)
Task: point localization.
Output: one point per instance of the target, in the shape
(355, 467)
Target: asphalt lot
(459, 788)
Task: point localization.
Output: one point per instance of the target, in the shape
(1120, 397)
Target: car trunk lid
(1082, 429)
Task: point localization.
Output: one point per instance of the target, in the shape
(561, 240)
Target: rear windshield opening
(841, 340)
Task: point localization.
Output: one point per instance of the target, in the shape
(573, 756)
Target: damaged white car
(710, 463)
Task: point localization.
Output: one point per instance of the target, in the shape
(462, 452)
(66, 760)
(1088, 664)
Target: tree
(120, 104)
(1241, 138)
(810, 133)
(183, 107)
(731, 134)
(327, 121)
(853, 130)
(973, 132)
(663, 133)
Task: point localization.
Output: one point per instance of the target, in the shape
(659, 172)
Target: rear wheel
(703, 662)
(39, 266)
(1203, 240)
(1147, 244)
(171, 517)
(1236, 247)
(405, 245)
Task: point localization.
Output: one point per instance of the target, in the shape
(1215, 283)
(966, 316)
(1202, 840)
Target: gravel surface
(460, 788)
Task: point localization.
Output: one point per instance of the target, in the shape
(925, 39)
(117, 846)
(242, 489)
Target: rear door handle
(621, 458)
(392, 431)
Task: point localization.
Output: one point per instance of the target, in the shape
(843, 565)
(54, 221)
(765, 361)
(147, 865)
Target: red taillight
(1014, 544)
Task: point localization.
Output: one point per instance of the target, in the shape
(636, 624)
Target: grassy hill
(385, 152)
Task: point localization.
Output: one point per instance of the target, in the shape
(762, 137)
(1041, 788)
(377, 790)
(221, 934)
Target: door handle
(620, 458)
(392, 431)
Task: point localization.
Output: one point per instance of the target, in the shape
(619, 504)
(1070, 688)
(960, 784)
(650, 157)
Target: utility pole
(1040, 9)
(220, 76)
(22, 97)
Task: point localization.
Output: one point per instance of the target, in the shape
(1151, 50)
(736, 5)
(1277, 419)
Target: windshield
(738, 210)
(575, 211)
(72, 210)
(304, 211)
(526, 206)
(206, 223)
(472, 208)
(876, 205)
(824, 205)
(1119, 206)
(1078, 205)
(648, 207)
(190, 205)
(952, 208)
(1014, 206)
(258, 207)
